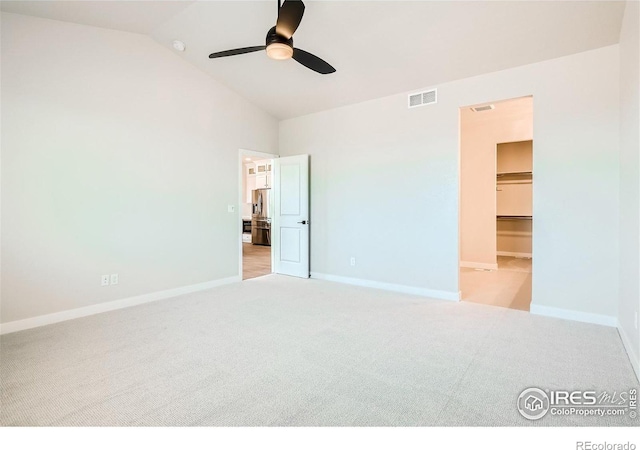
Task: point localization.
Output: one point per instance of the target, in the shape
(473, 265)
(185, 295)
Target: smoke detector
(179, 45)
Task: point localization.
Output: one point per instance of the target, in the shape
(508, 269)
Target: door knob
(304, 222)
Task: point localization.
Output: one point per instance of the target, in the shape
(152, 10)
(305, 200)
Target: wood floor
(256, 260)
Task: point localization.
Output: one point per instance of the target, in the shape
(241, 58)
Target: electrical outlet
(105, 280)
(353, 261)
(114, 278)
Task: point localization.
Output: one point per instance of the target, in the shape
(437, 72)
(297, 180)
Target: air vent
(482, 108)
(423, 98)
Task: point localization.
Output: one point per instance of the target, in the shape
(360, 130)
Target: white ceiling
(135, 16)
(379, 48)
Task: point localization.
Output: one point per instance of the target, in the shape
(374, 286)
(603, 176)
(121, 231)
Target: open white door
(290, 227)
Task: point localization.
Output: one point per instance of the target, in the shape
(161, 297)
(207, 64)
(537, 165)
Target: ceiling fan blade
(289, 17)
(312, 62)
(237, 51)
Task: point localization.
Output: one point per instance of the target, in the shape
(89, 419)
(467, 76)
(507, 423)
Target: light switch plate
(114, 278)
(231, 208)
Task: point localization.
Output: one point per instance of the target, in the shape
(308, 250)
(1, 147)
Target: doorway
(256, 205)
(273, 199)
(496, 203)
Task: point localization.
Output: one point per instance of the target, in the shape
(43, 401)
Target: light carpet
(280, 351)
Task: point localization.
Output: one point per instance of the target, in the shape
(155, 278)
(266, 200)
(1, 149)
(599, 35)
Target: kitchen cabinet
(263, 175)
(257, 175)
(250, 185)
(249, 181)
(263, 181)
(263, 167)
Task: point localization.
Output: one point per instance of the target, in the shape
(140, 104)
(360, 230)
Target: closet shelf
(504, 174)
(503, 182)
(514, 217)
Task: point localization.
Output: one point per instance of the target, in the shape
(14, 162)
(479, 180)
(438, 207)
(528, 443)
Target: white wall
(480, 133)
(384, 182)
(118, 157)
(630, 180)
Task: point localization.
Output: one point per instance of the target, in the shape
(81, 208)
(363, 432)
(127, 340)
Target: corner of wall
(633, 356)
(629, 187)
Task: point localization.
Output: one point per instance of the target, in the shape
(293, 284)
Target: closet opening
(496, 203)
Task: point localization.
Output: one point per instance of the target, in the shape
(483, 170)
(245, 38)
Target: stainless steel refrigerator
(260, 217)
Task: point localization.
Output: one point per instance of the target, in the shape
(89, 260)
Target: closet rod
(514, 182)
(506, 174)
(514, 217)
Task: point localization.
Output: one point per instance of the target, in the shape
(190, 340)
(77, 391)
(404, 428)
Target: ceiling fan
(279, 42)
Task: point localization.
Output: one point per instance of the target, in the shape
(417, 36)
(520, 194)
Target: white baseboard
(423, 292)
(47, 319)
(598, 319)
(633, 357)
(477, 265)
(515, 254)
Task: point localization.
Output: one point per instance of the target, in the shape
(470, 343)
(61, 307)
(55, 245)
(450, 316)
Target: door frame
(533, 229)
(242, 154)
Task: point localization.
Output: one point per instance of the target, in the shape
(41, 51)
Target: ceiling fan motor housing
(274, 38)
(278, 46)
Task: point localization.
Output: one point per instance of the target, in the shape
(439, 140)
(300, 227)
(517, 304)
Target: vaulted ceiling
(379, 48)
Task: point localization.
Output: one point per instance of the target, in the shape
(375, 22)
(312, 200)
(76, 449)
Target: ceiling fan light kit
(279, 51)
(278, 47)
(279, 42)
